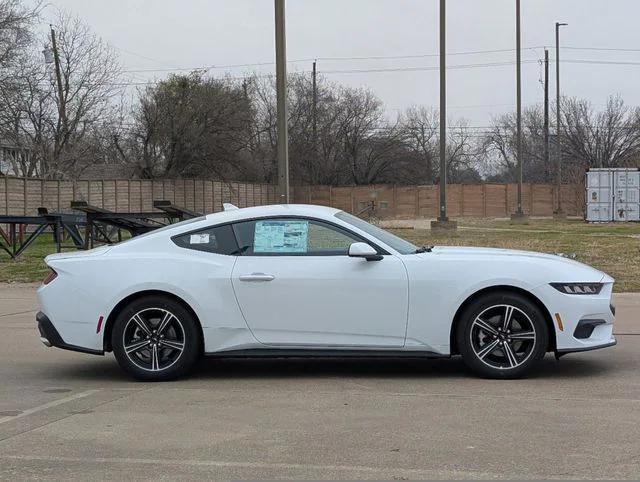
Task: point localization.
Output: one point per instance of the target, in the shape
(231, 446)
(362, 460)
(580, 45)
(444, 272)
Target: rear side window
(218, 240)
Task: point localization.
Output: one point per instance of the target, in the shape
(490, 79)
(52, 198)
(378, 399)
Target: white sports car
(311, 281)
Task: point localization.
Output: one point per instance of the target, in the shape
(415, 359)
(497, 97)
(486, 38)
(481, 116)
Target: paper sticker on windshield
(281, 237)
(201, 238)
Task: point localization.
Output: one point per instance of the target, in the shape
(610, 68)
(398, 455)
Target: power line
(599, 62)
(385, 70)
(139, 55)
(344, 71)
(356, 58)
(212, 67)
(424, 69)
(602, 49)
(329, 59)
(419, 56)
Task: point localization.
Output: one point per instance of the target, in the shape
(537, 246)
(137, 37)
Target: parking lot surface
(66, 415)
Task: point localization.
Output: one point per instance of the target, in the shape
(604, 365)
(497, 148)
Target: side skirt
(323, 353)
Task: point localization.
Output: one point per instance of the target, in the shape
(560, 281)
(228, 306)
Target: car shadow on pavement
(106, 369)
(453, 368)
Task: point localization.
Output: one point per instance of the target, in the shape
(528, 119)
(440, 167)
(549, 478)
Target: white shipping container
(613, 195)
(626, 195)
(599, 196)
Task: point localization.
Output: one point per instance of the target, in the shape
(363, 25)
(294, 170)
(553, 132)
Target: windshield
(399, 244)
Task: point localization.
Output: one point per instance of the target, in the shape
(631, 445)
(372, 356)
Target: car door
(297, 286)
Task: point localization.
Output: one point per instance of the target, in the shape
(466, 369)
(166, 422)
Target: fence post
(24, 195)
(530, 199)
(506, 199)
(484, 200)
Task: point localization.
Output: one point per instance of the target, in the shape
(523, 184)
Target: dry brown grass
(612, 248)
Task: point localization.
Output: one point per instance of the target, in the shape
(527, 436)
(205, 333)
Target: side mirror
(364, 250)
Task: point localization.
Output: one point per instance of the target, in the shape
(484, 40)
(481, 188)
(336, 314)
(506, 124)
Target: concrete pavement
(65, 415)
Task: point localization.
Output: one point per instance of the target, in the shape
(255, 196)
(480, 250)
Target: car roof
(306, 210)
(229, 216)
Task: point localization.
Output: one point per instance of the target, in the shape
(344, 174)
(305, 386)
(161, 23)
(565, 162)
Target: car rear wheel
(155, 339)
(502, 335)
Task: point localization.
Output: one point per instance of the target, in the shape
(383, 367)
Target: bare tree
(462, 155)
(262, 141)
(191, 126)
(90, 75)
(610, 138)
(30, 106)
(16, 22)
(420, 128)
(499, 147)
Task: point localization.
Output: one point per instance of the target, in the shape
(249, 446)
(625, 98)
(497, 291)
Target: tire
(492, 348)
(156, 339)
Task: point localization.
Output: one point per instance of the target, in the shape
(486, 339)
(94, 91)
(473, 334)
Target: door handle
(257, 277)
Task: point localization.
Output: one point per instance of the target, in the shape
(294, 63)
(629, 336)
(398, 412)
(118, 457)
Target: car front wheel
(156, 339)
(502, 335)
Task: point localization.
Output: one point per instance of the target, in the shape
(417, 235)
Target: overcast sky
(157, 34)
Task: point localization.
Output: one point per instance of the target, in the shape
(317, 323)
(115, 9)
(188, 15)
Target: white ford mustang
(298, 281)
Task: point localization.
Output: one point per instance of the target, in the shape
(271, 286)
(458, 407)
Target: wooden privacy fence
(463, 200)
(20, 196)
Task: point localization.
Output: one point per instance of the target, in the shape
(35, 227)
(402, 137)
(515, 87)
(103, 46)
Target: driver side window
(292, 237)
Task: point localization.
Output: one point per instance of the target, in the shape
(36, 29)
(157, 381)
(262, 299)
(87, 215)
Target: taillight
(50, 277)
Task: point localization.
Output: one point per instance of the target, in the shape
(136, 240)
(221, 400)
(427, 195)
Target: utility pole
(281, 87)
(558, 214)
(546, 151)
(519, 215)
(62, 109)
(443, 223)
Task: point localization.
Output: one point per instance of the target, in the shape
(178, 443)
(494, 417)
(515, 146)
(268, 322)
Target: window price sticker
(281, 237)
(201, 238)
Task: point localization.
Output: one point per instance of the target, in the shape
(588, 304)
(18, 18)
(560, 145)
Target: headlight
(578, 288)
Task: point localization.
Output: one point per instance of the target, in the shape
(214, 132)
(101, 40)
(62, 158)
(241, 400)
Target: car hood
(564, 264)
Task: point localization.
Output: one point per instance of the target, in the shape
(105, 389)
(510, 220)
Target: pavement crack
(17, 313)
(72, 414)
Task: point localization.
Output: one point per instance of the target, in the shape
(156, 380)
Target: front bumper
(582, 323)
(50, 336)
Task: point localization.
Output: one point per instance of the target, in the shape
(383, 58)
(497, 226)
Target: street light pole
(519, 214)
(558, 214)
(547, 155)
(281, 87)
(443, 222)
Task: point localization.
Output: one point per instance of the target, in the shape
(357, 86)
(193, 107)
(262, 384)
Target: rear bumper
(50, 336)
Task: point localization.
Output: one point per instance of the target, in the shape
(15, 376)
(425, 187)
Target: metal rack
(99, 220)
(94, 225)
(17, 240)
